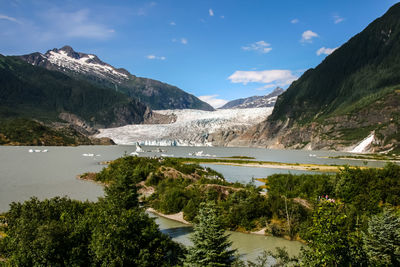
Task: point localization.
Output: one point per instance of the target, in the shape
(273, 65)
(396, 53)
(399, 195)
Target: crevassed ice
(190, 129)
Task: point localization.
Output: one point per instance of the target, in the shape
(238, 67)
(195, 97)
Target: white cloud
(325, 50)
(294, 21)
(222, 17)
(211, 12)
(4, 17)
(172, 23)
(213, 100)
(307, 36)
(270, 78)
(156, 57)
(337, 19)
(260, 46)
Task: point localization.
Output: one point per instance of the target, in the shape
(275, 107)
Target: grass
(266, 164)
(239, 157)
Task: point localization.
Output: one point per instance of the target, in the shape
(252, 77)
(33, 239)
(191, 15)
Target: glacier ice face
(191, 128)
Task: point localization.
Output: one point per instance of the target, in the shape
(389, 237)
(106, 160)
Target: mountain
(255, 101)
(89, 67)
(353, 94)
(51, 97)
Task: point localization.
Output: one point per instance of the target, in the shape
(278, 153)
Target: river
(45, 175)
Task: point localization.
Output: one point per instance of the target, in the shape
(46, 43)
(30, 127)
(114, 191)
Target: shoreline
(285, 166)
(371, 159)
(178, 217)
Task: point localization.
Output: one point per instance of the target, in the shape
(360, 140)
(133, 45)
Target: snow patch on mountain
(82, 64)
(255, 101)
(191, 128)
(261, 102)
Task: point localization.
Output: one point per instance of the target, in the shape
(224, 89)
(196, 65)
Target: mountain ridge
(88, 67)
(268, 100)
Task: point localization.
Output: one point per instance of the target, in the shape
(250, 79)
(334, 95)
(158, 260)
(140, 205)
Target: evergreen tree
(382, 239)
(211, 245)
(122, 193)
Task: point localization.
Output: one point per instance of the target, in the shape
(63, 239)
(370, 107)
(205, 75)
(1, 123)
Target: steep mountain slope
(50, 97)
(353, 92)
(155, 94)
(38, 93)
(255, 101)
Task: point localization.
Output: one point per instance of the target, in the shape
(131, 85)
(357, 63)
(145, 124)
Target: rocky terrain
(255, 101)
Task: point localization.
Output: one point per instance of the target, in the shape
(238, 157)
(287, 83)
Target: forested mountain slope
(354, 92)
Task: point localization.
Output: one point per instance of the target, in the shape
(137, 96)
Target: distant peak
(67, 48)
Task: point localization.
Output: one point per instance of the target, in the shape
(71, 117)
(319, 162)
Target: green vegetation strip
(239, 157)
(374, 157)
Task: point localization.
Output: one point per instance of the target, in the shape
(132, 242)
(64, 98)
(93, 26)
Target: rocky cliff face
(354, 92)
(89, 67)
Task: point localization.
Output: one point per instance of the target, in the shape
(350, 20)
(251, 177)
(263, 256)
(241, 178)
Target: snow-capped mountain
(191, 128)
(66, 59)
(89, 67)
(255, 101)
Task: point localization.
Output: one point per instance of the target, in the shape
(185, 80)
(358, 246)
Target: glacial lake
(45, 175)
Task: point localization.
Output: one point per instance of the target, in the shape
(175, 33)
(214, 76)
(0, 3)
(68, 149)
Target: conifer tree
(382, 239)
(211, 246)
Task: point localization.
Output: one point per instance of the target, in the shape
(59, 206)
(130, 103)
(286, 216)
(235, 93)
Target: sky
(217, 50)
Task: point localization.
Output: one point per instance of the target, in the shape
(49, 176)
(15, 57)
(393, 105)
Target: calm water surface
(45, 175)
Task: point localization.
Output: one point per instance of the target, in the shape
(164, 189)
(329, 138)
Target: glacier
(191, 128)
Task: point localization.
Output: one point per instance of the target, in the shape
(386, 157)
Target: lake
(45, 175)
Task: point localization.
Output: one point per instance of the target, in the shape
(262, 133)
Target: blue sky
(218, 50)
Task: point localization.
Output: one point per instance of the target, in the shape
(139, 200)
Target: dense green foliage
(140, 168)
(355, 75)
(63, 232)
(211, 246)
(34, 92)
(382, 239)
(329, 240)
